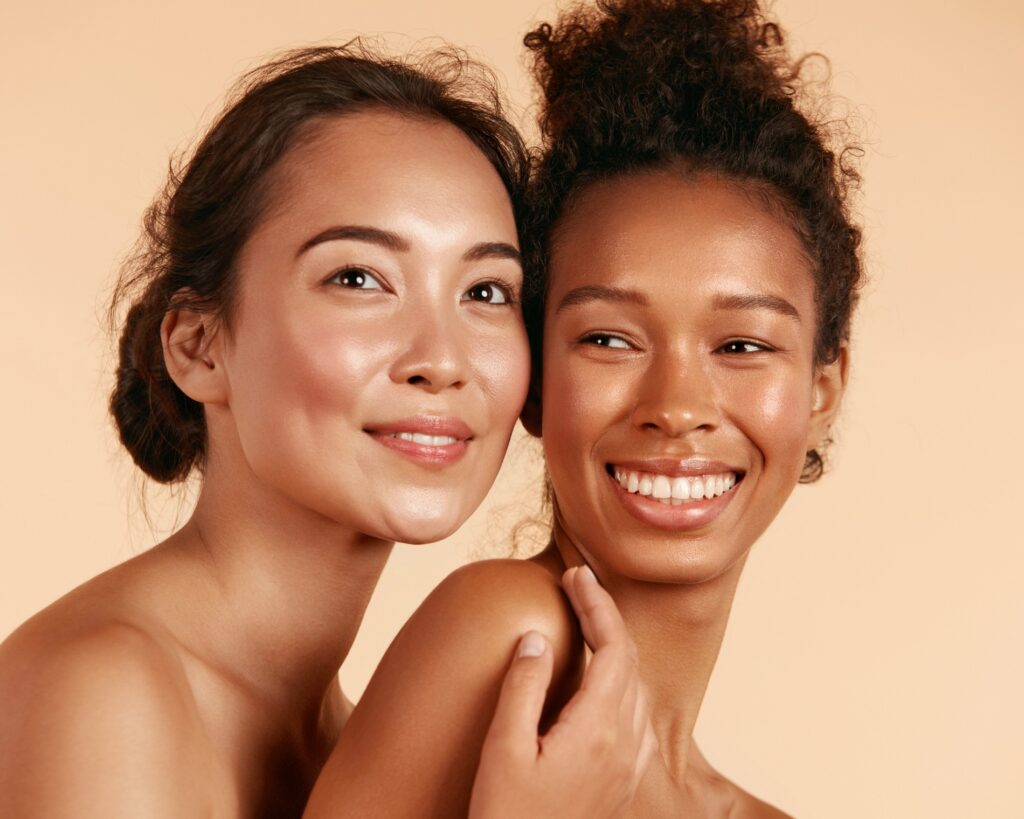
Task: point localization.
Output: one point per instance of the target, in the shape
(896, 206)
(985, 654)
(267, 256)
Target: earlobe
(829, 386)
(191, 355)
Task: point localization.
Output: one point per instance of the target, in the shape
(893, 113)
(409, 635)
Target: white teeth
(662, 487)
(424, 440)
(674, 490)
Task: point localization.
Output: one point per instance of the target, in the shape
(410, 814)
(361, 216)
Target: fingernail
(532, 645)
(588, 574)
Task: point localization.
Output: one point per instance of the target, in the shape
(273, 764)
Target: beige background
(873, 664)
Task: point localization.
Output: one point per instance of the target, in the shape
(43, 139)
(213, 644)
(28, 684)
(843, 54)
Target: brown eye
(607, 340)
(356, 278)
(488, 293)
(741, 347)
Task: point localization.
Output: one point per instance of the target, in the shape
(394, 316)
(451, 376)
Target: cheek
(776, 416)
(501, 365)
(301, 365)
(581, 400)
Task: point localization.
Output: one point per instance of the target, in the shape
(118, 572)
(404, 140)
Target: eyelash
(362, 271)
(593, 339)
(603, 339)
(743, 342)
(506, 289)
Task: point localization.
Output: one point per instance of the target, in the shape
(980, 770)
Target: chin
(423, 523)
(682, 562)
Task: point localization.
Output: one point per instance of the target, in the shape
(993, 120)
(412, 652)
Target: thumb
(521, 701)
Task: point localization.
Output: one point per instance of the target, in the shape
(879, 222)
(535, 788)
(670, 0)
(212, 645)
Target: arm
(95, 727)
(412, 745)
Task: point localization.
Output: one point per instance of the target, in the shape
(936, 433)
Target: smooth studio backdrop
(873, 663)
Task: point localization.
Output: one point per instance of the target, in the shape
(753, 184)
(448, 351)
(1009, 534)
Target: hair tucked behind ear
(194, 231)
(706, 87)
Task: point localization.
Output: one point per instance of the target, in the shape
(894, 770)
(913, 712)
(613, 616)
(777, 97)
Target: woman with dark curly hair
(694, 271)
(323, 320)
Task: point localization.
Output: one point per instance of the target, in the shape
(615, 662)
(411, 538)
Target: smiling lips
(660, 496)
(427, 439)
(675, 490)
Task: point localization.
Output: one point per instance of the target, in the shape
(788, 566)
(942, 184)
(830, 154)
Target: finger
(599, 617)
(523, 691)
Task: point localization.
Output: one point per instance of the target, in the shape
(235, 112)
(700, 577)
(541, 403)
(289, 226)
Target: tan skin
(200, 678)
(670, 357)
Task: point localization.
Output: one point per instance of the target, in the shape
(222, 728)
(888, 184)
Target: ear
(192, 355)
(829, 386)
(532, 409)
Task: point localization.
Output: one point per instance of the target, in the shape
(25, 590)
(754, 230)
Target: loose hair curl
(706, 87)
(194, 231)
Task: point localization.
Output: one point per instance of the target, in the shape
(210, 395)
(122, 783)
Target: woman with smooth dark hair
(694, 272)
(323, 320)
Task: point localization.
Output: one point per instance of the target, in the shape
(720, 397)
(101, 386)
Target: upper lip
(446, 425)
(673, 467)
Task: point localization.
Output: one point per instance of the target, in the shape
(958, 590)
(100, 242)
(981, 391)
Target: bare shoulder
(508, 597)
(97, 711)
(427, 708)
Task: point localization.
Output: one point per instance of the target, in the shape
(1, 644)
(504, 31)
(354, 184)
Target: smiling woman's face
(680, 392)
(376, 359)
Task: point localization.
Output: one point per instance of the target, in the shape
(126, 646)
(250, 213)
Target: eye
(741, 347)
(607, 340)
(355, 278)
(489, 293)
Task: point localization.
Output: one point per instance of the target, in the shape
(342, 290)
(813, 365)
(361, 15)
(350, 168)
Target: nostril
(417, 379)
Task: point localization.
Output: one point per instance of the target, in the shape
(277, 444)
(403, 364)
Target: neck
(279, 591)
(678, 630)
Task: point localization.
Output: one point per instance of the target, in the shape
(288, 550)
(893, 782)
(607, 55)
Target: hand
(591, 761)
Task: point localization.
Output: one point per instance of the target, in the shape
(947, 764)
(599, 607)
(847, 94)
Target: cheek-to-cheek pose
(692, 273)
(325, 322)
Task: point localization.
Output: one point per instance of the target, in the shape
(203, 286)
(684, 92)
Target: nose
(435, 357)
(676, 396)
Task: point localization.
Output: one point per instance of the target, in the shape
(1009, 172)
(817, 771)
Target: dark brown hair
(193, 232)
(705, 86)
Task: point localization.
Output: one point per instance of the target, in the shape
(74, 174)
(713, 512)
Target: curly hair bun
(636, 73)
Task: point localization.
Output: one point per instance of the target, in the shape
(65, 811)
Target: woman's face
(679, 385)
(376, 360)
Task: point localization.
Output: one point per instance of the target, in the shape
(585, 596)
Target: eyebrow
(595, 292)
(756, 301)
(359, 233)
(392, 241)
(492, 250)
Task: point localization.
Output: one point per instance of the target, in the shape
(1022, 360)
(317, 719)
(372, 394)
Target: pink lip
(425, 425)
(685, 517)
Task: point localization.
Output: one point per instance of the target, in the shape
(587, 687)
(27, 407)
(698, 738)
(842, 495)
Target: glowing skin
(679, 342)
(679, 396)
(200, 678)
(344, 339)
